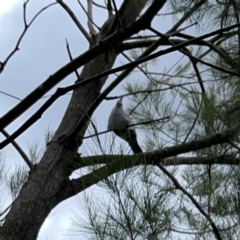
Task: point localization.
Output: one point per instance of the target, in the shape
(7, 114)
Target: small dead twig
(196, 204)
(117, 14)
(26, 27)
(19, 150)
(71, 58)
(75, 20)
(90, 18)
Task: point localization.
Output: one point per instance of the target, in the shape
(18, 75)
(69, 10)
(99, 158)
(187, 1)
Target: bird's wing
(118, 119)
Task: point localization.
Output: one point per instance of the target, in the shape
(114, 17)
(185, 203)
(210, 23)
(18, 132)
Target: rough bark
(45, 186)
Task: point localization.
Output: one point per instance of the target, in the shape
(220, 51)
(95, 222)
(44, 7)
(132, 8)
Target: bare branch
(135, 124)
(117, 14)
(19, 150)
(153, 158)
(4, 212)
(55, 78)
(69, 68)
(129, 67)
(171, 86)
(185, 52)
(193, 200)
(98, 5)
(170, 161)
(87, 13)
(10, 95)
(90, 18)
(24, 13)
(206, 43)
(61, 91)
(70, 57)
(140, 68)
(109, 8)
(75, 20)
(146, 43)
(26, 27)
(79, 61)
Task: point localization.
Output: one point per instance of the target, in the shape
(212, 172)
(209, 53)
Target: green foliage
(17, 178)
(132, 209)
(143, 203)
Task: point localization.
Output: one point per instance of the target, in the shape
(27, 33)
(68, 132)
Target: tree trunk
(44, 187)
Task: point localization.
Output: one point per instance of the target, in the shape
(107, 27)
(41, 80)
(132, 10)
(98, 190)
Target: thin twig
(97, 135)
(105, 44)
(129, 67)
(90, 18)
(24, 13)
(4, 211)
(171, 86)
(98, 5)
(184, 191)
(117, 14)
(70, 57)
(10, 95)
(135, 124)
(75, 20)
(26, 27)
(234, 145)
(19, 150)
(185, 52)
(144, 98)
(140, 68)
(85, 11)
(210, 44)
(194, 122)
(145, 56)
(109, 8)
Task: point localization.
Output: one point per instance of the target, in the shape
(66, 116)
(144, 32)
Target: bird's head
(119, 102)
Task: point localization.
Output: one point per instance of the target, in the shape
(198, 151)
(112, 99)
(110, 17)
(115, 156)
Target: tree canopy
(178, 66)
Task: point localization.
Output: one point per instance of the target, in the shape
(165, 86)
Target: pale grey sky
(42, 52)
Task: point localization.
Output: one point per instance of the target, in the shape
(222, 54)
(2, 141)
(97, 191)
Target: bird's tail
(135, 146)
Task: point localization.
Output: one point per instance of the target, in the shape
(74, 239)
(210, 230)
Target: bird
(119, 122)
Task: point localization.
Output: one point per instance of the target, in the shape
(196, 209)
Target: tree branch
(26, 27)
(135, 124)
(146, 43)
(170, 161)
(75, 20)
(19, 150)
(90, 18)
(196, 204)
(61, 91)
(207, 43)
(85, 11)
(117, 14)
(192, 59)
(151, 158)
(96, 50)
(70, 57)
(129, 67)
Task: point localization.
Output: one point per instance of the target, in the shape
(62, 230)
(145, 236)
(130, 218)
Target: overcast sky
(42, 52)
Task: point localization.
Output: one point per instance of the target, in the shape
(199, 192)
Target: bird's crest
(119, 102)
